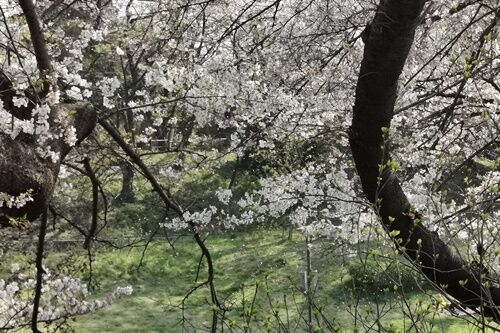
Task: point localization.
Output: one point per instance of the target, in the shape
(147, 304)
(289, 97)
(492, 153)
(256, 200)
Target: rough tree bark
(388, 40)
(22, 168)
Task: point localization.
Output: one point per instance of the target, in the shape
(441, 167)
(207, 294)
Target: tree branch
(39, 272)
(37, 38)
(170, 203)
(95, 201)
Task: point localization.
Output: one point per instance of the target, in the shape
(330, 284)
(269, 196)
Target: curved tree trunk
(388, 40)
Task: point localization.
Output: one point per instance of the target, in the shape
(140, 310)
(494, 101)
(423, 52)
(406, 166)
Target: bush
(383, 275)
(142, 215)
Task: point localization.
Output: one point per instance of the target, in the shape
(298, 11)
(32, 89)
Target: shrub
(383, 275)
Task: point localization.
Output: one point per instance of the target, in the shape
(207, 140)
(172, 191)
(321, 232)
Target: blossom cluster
(62, 297)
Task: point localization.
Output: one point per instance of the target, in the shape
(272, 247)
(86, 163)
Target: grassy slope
(242, 260)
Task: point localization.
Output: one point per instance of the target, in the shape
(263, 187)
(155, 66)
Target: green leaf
(394, 233)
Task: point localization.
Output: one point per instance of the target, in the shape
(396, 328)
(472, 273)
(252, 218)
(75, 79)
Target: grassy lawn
(245, 261)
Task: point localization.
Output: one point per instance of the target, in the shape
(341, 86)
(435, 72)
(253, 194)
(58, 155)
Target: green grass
(241, 261)
(244, 260)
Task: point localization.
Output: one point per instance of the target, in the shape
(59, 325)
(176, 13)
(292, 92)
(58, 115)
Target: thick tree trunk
(388, 40)
(24, 171)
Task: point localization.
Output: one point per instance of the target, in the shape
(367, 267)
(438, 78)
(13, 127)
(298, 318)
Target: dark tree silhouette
(388, 39)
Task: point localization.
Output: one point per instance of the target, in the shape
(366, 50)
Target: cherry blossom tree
(264, 89)
(40, 131)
